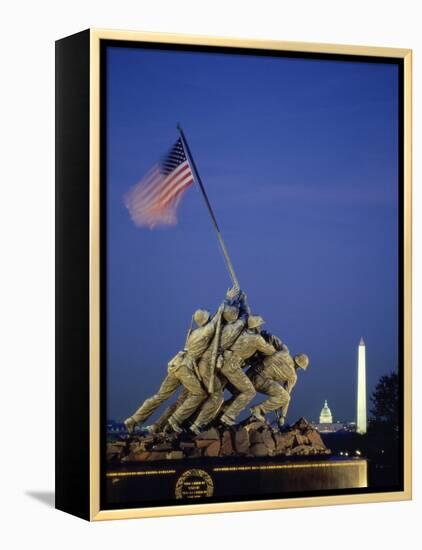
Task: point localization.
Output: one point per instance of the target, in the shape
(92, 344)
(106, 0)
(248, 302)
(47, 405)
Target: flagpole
(210, 210)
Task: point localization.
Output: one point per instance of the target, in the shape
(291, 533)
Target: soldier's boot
(174, 425)
(130, 424)
(167, 429)
(227, 420)
(257, 413)
(281, 421)
(195, 428)
(152, 429)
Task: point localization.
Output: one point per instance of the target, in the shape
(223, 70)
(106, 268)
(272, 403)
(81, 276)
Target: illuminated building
(325, 417)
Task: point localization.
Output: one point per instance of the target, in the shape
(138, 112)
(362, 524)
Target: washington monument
(361, 397)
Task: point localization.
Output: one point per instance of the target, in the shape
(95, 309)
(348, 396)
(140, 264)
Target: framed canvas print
(233, 274)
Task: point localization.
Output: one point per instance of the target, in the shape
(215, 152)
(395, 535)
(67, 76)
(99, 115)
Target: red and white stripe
(154, 200)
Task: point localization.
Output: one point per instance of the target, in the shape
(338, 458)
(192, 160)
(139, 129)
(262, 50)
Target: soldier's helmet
(302, 360)
(255, 321)
(230, 313)
(201, 316)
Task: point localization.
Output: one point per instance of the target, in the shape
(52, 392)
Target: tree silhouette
(385, 411)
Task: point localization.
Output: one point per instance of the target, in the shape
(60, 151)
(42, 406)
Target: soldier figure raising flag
(219, 349)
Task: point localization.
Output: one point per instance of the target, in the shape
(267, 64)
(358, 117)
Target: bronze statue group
(227, 351)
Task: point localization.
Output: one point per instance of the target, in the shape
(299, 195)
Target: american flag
(154, 200)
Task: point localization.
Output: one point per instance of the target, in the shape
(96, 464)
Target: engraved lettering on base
(194, 483)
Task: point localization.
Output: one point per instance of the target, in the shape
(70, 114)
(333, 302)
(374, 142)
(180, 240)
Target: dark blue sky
(299, 158)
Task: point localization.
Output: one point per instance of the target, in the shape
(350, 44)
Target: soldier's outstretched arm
(213, 322)
(244, 306)
(272, 339)
(264, 347)
(232, 294)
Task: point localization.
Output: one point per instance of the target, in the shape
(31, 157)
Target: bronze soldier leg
(167, 388)
(242, 383)
(234, 393)
(279, 397)
(159, 424)
(196, 395)
(210, 408)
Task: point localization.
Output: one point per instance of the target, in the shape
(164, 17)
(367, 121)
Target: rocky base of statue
(250, 438)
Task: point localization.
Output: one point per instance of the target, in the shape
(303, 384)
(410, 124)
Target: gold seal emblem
(194, 483)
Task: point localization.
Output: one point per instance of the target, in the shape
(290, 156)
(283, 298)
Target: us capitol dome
(325, 417)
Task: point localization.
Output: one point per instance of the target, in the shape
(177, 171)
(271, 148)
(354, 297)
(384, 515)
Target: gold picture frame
(95, 512)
